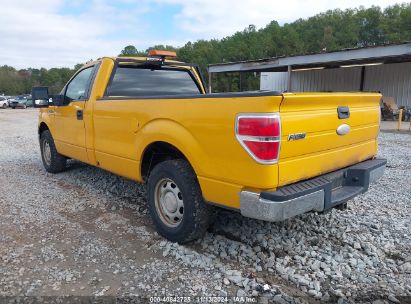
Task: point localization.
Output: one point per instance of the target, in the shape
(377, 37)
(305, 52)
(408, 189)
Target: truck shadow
(126, 193)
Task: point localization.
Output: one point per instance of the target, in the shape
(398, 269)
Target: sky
(62, 33)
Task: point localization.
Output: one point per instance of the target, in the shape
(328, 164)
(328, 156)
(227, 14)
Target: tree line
(19, 82)
(329, 31)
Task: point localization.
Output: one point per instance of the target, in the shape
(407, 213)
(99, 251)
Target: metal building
(380, 68)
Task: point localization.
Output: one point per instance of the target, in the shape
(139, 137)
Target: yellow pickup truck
(267, 155)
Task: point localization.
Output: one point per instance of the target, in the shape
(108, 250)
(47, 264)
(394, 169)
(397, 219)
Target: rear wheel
(5, 106)
(53, 161)
(175, 202)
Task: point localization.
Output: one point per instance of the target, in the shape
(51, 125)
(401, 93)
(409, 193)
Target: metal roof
(389, 53)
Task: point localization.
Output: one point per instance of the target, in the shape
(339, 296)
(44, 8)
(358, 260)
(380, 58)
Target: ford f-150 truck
(268, 155)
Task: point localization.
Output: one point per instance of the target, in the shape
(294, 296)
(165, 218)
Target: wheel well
(43, 127)
(156, 153)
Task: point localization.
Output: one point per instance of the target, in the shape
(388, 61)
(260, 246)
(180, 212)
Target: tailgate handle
(343, 112)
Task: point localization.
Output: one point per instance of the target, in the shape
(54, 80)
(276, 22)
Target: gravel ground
(86, 232)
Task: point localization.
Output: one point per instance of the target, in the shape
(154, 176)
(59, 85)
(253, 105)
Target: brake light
(260, 136)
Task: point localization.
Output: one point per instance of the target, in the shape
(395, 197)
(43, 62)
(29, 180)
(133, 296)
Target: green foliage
(129, 50)
(328, 31)
(13, 82)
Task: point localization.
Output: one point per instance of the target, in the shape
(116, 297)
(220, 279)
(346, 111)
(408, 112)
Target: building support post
(209, 81)
(400, 119)
(289, 78)
(362, 78)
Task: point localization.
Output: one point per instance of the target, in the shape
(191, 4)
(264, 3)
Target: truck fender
(44, 123)
(173, 133)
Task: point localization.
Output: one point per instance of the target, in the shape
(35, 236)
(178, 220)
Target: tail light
(260, 136)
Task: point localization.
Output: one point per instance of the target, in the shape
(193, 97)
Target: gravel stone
(393, 299)
(241, 293)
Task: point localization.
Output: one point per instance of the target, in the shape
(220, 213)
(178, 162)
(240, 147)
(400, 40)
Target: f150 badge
(296, 136)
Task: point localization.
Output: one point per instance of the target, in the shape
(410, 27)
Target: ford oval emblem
(343, 129)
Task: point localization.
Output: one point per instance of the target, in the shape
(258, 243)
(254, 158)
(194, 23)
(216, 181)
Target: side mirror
(40, 96)
(56, 100)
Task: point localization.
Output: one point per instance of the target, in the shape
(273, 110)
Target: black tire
(13, 108)
(196, 214)
(55, 162)
(342, 207)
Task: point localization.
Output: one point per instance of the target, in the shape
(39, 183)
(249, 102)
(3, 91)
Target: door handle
(79, 114)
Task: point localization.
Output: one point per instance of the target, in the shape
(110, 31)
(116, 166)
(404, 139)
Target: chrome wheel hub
(169, 202)
(47, 152)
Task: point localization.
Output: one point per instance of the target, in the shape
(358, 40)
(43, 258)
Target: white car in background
(3, 102)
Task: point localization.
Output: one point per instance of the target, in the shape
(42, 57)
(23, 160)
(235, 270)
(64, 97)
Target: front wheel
(53, 161)
(175, 202)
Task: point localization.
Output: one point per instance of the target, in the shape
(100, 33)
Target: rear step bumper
(317, 194)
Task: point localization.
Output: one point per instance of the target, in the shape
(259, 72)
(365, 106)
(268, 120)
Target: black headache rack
(339, 186)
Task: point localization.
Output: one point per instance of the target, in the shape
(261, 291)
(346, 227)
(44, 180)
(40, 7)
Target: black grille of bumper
(339, 186)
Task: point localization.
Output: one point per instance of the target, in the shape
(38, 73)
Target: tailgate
(310, 145)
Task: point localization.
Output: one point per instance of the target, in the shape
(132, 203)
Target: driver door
(70, 135)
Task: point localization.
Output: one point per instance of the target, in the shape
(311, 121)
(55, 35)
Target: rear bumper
(317, 194)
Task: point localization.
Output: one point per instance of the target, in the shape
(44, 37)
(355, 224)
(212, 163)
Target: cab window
(78, 88)
(131, 81)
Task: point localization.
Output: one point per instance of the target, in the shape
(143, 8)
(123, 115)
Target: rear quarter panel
(211, 121)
